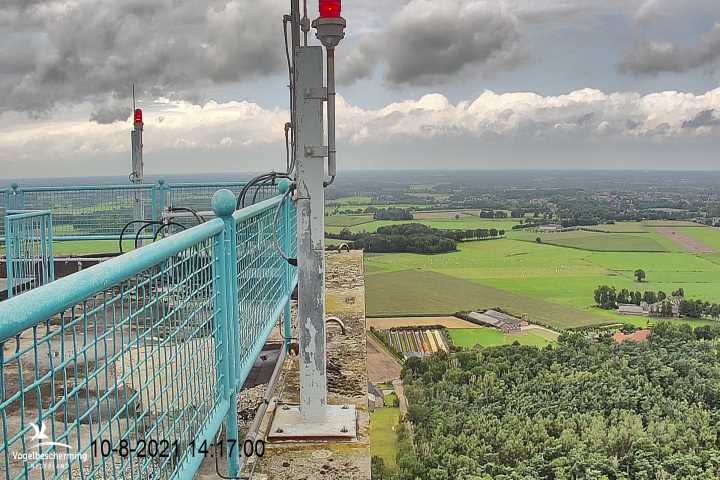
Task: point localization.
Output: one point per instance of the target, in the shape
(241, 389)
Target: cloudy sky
(423, 83)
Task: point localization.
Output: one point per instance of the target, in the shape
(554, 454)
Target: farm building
(656, 308)
(631, 309)
(502, 321)
(550, 228)
(376, 398)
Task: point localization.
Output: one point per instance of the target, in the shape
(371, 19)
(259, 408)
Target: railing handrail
(143, 186)
(23, 214)
(30, 309)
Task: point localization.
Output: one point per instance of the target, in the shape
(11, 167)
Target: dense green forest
(582, 409)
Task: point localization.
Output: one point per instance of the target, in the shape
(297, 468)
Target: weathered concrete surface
(347, 379)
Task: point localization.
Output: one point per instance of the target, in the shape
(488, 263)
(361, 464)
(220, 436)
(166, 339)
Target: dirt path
(447, 322)
(382, 367)
(688, 243)
(400, 392)
(546, 332)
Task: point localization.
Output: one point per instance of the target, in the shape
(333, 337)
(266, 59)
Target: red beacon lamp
(330, 8)
(330, 26)
(138, 116)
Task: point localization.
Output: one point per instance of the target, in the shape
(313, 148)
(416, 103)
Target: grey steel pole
(138, 168)
(311, 233)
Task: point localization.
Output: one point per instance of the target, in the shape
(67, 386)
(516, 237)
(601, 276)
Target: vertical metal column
(138, 168)
(311, 233)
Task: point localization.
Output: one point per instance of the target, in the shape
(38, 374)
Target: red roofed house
(638, 336)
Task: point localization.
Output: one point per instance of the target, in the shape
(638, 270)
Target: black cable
(157, 234)
(137, 235)
(259, 179)
(129, 224)
(291, 76)
(200, 219)
(259, 188)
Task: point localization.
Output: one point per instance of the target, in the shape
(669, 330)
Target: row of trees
(699, 309)
(609, 297)
(392, 214)
(581, 409)
(493, 214)
(413, 238)
(427, 244)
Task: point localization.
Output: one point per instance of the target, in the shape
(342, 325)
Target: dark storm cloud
(428, 41)
(105, 114)
(651, 58)
(706, 118)
(57, 52)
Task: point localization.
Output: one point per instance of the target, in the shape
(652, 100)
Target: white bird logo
(40, 435)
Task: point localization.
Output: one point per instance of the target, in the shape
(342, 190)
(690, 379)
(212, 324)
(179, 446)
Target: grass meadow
(384, 441)
(490, 337)
(554, 285)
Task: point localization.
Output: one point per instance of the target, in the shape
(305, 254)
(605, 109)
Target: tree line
(580, 409)
(391, 214)
(413, 238)
(662, 305)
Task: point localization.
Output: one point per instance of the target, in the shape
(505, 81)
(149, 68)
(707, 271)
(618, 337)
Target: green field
(383, 439)
(353, 201)
(707, 235)
(417, 293)
(89, 247)
(553, 285)
(490, 337)
(602, 242)
(347, 220)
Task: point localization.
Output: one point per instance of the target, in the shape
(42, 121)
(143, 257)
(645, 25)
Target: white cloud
(176, 128)
(583, 114)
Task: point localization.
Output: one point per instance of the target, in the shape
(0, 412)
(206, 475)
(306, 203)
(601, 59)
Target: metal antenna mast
(314, 417)
(138, 168)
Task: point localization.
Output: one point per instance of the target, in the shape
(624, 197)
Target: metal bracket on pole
(316, 93)
(316, 152)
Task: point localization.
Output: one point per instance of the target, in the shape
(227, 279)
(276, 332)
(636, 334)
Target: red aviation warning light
(330, 8)
(330, 26)
(138, 116)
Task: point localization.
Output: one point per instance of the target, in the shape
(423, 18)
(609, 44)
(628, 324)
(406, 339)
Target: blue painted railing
(100, 212)
(128, 369)
(29, 260)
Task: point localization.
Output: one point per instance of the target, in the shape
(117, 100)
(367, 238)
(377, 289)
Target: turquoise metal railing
(101, 212)
(128, 369)
(3, 197)
(29, 260)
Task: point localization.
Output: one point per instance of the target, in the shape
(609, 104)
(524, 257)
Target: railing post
(223, 204)
(49, 248)
(9, 254)
(13, 202)
(283, 187)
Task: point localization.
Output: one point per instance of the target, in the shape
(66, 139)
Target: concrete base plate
(288, 424)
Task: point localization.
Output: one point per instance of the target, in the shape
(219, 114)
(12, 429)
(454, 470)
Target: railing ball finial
(283, 186)
(223, 203)
(161, 182)
(14, 186)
